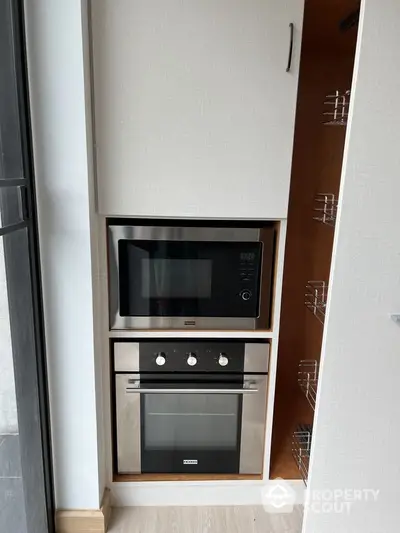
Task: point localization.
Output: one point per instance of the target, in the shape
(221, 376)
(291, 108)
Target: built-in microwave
(169, 277)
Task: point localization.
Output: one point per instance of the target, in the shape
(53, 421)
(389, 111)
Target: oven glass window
(191, 421)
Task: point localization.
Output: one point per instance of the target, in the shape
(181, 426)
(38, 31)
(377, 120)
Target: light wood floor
(238, 519)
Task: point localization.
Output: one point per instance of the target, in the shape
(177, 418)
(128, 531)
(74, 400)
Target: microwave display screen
(176, 278)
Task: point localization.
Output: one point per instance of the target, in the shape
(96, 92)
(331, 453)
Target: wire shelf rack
(338, 108)
(301, 446)
(315, 298)
(307, 379)
(325, 208)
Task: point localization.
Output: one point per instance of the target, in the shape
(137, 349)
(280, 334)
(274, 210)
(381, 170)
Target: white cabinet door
(357, 428)
(194, 109)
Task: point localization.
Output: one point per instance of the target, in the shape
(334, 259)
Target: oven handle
(248, 390)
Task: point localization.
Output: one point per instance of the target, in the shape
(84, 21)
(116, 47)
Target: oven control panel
(197, 355)
(191, 356)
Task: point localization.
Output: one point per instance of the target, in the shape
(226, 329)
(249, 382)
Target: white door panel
(194, 109)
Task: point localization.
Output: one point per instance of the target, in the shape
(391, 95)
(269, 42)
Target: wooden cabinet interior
(326, 65)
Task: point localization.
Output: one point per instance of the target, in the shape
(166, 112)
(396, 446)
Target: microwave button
(246, 294)
(160, 359)
(192, 359)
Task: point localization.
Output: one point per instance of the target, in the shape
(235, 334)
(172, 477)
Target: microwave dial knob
(160, 359)
(192, 359)
(223, 360)
(246, 295)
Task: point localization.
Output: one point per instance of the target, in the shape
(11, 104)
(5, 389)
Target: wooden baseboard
(85, 520)
(106, 508)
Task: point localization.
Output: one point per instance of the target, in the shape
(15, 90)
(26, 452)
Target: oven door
(170, 278)
(187, 426)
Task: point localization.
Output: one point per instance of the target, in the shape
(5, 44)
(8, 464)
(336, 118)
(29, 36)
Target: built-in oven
(190, 406)
(190, 276)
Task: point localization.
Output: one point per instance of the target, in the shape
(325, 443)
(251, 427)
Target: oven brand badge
(190, 462)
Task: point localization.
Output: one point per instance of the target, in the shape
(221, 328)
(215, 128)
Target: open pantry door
(357, 427)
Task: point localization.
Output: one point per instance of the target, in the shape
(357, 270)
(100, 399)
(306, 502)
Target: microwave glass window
(176, 278)
(189, 278)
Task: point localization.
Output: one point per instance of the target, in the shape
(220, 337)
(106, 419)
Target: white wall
(61, 133)
(357, 428)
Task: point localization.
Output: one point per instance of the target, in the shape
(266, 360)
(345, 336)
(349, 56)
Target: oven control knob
(223, 360)
(246, 295)
(192, 359)
(160, 359)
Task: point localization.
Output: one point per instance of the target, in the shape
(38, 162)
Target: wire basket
(301, 446)
(338, 108)
(325, 208)
(307, 379)
(315, 298)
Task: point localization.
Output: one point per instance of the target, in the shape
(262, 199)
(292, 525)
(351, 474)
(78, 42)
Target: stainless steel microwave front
(147, 318)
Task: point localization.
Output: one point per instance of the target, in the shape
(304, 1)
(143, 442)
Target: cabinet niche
(326, 69)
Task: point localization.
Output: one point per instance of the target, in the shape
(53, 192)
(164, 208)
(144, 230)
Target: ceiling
(321, 32)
